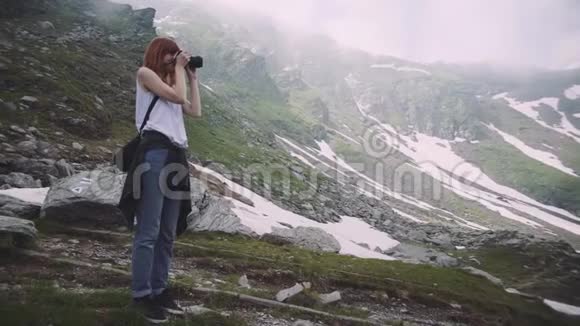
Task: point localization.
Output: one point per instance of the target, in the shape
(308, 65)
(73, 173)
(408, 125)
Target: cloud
(532, 32)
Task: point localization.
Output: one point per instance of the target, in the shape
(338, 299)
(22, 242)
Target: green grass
(531, 177)
(422, 283)
(43, 304)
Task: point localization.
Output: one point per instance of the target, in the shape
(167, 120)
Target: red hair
(154, 54)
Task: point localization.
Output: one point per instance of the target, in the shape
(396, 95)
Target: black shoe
(166, 301)
(151, 310)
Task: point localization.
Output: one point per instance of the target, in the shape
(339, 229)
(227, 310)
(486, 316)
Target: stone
(46, 24)
(17, 129)
(27, 147)
(196, 310)
(215, 214)
(89, 197)
(21, 231)
(285, 294)
(243, 282)
(104, 150)
(20, 180)
(301, 322)
(307, 237)
(64, 169)
(77, 146)
(442, 240)
(489, 277)
(29, 99)
(14, 207)
(329, 297)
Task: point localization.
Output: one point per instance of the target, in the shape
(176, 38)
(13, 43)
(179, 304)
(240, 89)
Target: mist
(541, 33)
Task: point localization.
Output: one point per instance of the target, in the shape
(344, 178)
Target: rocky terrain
(282, 208)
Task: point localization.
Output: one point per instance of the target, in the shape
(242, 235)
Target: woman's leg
(164, 245)
(149, 212)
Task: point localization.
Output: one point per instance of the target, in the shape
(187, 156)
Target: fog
(544, 33)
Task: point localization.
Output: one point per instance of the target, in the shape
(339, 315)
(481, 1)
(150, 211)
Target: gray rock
(77, 146)
(64, 169)
(29, 99)
(329, 297)
(307, 237)
(46, 25)
(243, 282)
(20, 180)
(285, 294)
(478, 272)
(215, 214)
(17, 129)
(418, 255)
(20, 230)
(14, 207)
(88, 197)
(301, 322)
(27, 147)
(442, 240)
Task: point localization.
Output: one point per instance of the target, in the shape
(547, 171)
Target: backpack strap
(153, 101)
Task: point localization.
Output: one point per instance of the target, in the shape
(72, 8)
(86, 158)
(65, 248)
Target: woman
(159, 209)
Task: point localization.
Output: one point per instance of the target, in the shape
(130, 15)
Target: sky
(544, 33)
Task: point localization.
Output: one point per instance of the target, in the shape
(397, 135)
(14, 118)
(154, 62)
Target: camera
(195, 62)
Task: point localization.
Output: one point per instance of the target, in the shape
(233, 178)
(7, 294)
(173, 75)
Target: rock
(20, 231)
(455, 306)
(64, 169)
(418, 255)
(17, 129)
(14, 207)
(29, 99)
(488, 276)
(442, 240)
(301, 322)
(243, 282)
(445, 261)
(34, 131)
(283, 295)
(196, 310)
(104, 150)
(215, 214)
(27, 147)
(77, 146)
(307, 237)
(329, 297)
(46, 25)
(90, 197)
(20, 180)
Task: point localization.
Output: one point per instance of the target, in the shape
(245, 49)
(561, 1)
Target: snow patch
(546, 158)
(576, 115)
(301, 158)
(400, 68)
(527, 108)
(31, 195)
(350, 231)
(573, 92)
(562, 307)
(347, 137)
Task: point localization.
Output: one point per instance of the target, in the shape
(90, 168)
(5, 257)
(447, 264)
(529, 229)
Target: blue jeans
(155, 231)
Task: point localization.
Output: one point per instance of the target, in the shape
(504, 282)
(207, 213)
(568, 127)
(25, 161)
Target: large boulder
(306, 237)
(411, 253)
(14, 207)
(89, 197)
(18, 231)
(215, 214)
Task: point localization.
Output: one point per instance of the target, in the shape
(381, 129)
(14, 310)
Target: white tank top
(166, 117)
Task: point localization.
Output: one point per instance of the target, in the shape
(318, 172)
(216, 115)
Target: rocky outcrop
(20, 231)
(14, 207)
(87, 197)
(215, 214)
(306, 237)
(420, 255)
(19, 180)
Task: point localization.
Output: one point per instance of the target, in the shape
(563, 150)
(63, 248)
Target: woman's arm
(193, 106)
